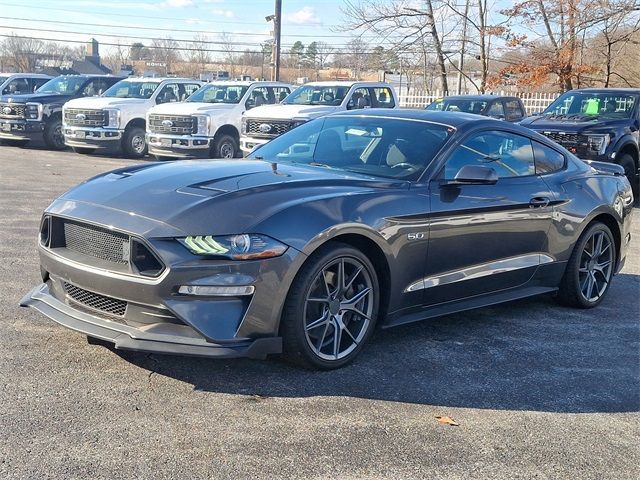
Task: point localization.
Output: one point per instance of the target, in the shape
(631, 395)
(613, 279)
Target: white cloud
(223, 13)
(176, 3)
(305, 16)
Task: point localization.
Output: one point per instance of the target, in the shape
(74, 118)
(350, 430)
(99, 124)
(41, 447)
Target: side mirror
(474, 175)
(249, 104)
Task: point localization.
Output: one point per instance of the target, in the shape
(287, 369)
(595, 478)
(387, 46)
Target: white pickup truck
(312, 100)
(207, 124)
(117, 117)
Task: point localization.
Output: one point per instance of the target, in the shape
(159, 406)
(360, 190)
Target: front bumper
(91, 137)
(179, 146)
(160, 338)
(247, 144)
(21, 129)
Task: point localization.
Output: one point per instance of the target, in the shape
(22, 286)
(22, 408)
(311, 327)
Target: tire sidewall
(49, 132)
(220, 142)
(127, 146)
(299, 291)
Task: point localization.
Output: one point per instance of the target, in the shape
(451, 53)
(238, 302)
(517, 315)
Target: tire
(53, 136)
(574, 287)
(83, 150)
(225, 146)
(14, 143)
(627, 162)
(134, 143)
(312, 325)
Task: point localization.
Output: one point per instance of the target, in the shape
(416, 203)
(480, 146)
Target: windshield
(317, 95)
(589, 104)
(381, 147)
(213, 93)
(458, 105)
(63, 85)
(131, 89)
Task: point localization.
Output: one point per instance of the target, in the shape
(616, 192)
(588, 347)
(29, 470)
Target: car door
(487, 237)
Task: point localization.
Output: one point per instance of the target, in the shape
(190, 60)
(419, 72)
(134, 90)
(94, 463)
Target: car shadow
(526, 355)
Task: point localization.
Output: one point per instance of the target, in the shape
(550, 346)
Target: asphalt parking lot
(539, 391)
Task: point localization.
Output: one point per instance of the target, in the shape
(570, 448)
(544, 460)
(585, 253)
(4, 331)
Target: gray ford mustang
(362, 218)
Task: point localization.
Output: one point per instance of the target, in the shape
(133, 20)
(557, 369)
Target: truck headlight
(112, 118)
(33, 111)
(598, 143)
(243, 126)
(201, 124)
(235, 247)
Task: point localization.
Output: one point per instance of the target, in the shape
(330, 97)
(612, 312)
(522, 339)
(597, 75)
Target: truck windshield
(132, 89)
(63, 85)
(213, 93)
(317, 95)
(593, 104)
(458, 105)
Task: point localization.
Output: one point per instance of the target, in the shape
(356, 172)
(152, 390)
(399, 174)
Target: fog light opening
(216, 291)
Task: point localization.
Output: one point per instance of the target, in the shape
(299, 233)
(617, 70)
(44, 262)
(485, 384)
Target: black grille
(80, 117)
(175, 124)
(276, 128)
(97, 242)
(95, 301)
(12, 110)
(566, 138)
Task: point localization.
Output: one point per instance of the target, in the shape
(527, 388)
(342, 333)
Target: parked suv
(510, 109)
(21, 83)
(117, 117)
(596, 124)
(39, 115)
(310, 101)
(208, 123)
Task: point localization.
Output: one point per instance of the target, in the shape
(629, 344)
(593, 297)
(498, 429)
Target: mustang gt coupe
(349, 221)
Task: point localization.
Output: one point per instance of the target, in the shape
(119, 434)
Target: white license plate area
(80, 134)
(6, 127)
(165, 142)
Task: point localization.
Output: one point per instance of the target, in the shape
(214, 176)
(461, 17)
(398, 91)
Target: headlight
(112, 118)
(201, 124)
(235, 247)
(243, 127)
(299, 121)
(33, 111)
(598, 143)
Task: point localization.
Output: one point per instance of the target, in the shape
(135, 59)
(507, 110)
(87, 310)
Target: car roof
(606, 90)
(162, 79)
(345, 83)
(484, 96)
(452, 119)
(30, 75)
(247, 83)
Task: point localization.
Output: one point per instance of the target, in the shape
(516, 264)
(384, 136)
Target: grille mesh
(565, 138)
(180, 124)
(95, 300)
(92, 118)
(278, 127)
(17, 110)
(97, 242)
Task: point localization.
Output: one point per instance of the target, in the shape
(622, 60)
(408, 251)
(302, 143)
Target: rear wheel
(590, 268)
(225, 146)
(53, 136)
(84, 151)
(331, 309)
(134, 143)
(627, 162)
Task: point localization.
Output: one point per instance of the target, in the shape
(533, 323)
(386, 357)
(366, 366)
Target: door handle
(539, 202)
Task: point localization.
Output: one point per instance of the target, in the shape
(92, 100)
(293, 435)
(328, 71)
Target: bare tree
(229, 55)
(166, 51)
(617, 34)
(22, 52)
(199, 53)
(324, 52)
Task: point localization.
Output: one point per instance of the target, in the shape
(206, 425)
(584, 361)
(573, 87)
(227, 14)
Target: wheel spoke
(345, 329)
(597, 249)
(337, 337)
(340, 280)
(318, 300)
(350, 302)
(351, 308)
(319, 322)
(590, 286)
(324, 334)
(352, 279)
(326, 283)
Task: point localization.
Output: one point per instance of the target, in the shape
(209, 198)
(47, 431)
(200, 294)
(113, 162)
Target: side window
(17, 86)
(513, 112)
(187, 89)
(279, 93)
(360, 98)
(509, 154)
(100, 85)
(496, 110)
(383, 97)
(258, 96)
(90, 89)
(169, 93)
(548, 160)
(37, 83)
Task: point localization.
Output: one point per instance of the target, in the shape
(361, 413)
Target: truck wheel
(84, 151)
(626, 161)
(134, 144)
(225, 146)
(53, 136)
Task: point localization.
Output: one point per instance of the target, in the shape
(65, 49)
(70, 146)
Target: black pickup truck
(39, 114)
(596, 124)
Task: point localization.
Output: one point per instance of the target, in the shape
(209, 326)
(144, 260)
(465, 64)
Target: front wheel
(627, 162)
(331, 309)
(590, 268)
(53, 136)
(225, 146)
(134, 143)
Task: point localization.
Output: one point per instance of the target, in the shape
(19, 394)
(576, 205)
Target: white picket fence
(533, 101)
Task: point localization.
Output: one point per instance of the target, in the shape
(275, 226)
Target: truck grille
(565, 138)
(80, 117)
(276, 127)
(174, 124)
(12, 110)
(95, 301)
(97, 242)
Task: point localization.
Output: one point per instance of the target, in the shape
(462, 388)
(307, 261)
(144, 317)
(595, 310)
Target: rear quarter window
(547, 159)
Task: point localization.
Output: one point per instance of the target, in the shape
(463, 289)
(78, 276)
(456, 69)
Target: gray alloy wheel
(134, 143)
(225, 146)
(331, 310)
(53, 136)
(590, 268)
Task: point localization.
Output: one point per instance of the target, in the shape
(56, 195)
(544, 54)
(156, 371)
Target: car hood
(572, 124)
(287, 112)
(105, 102)
(215, 197)
(190, 108)
(35, 97)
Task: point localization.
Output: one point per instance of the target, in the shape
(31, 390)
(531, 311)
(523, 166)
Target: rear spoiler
(606, 168)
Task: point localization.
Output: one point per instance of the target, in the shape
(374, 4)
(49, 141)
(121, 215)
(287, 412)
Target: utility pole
(277, 21)
(462, 47)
